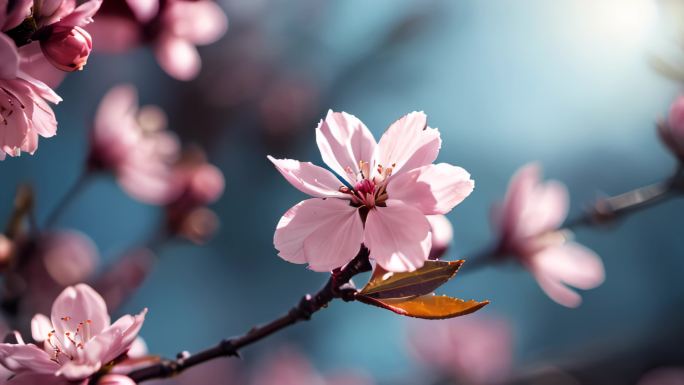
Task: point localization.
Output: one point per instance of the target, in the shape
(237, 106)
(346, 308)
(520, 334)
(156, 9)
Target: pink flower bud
(115, 379)
(199, 225)
(67, 48)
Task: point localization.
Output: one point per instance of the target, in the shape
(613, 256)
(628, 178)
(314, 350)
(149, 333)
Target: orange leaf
(425, 280)
(428, 306)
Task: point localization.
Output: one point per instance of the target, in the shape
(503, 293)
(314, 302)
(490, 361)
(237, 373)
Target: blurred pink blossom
(172, 27)
(115, 379)
(24, 111)
(390, 188)
(58, 259)
(442, 235)
(475, 349)
(69, 256)
(196, 184)
(663, 376)
(528, 223)
(671, 131)
(7, 248)
(288, 366)
(78, 339)
(134, 144)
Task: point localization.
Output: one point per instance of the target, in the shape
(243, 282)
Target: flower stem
(307, 306)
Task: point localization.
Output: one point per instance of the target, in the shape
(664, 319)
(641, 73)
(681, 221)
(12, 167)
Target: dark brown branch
(307, 306)
(605, 210)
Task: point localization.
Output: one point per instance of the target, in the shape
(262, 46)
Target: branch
(606, 209)
(620, 206)
(307, 306)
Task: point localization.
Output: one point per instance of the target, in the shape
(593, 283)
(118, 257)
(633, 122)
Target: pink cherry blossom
(477, 349)
(13, 13)
(528, 223)
(671, 131)
(133, 143)
(387, 190)
(50, 262)
(59, 42)
(64, 13)
(24, 112)
(63, 40)
(172, 27)
(77, 340)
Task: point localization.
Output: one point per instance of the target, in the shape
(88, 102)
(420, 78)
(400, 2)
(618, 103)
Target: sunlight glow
(625, 20)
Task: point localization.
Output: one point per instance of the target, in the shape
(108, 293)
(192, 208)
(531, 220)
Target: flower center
(66, 348)
(369, 191)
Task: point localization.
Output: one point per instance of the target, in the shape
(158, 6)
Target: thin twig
(303, 311)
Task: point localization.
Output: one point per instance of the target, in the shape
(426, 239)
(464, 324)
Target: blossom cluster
(41, 40)
(38, 39)
(377, 205)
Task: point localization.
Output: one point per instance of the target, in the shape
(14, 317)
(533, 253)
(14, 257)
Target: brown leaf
(428, 306)
(422, 281)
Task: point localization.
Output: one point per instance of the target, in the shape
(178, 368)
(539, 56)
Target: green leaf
(427, 306)
(425, 280)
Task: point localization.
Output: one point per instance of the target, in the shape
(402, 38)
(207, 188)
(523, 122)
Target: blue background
(505, 81)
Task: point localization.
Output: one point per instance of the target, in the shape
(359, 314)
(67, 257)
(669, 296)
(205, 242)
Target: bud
(199, 225)
(115, 379)
(672, 131)
(67, 48)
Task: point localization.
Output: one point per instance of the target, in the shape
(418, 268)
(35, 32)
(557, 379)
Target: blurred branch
(23, 206)
(620, 206)
(67, 198)
(307, 306)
